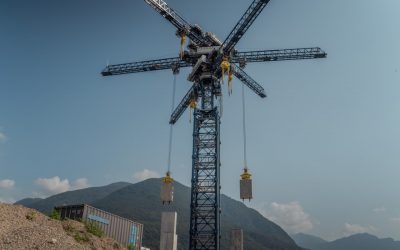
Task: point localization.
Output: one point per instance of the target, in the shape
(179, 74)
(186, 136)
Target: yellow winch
(246, 174)
(167, 178)
(226, 68)
(183, 40)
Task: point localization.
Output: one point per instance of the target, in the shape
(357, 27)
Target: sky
(323, 148)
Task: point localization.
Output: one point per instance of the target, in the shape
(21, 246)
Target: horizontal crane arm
(143, 66)
(248, 81)
(182, 105)
(242, 26)
(278, 55)
(175, 19)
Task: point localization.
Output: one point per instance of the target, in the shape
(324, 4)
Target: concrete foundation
(168, 237)
(236, 239)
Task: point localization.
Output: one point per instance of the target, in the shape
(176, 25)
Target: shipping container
(127, 232)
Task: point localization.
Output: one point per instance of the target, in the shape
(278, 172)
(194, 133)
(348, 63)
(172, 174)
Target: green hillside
(141, 202)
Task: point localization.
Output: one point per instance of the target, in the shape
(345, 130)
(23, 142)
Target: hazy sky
(324, 147)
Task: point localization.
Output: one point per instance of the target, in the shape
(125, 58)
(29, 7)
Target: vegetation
(93, 228)
(55, 215)
(141, 202)
(79, 235)
(31, 215)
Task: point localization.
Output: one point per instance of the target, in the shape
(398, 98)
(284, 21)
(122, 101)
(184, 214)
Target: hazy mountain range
(141, 202)
(354, 242)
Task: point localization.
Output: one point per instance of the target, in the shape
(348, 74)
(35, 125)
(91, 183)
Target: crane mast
(210, 59)
(205, 193)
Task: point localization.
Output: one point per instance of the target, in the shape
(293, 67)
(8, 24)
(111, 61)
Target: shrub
(81, 237)
(31, 216)
(55, 215)
(94, 228)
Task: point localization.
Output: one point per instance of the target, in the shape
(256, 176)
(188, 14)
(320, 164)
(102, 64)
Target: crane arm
(182, 106)
(242, 26)
(278, 55)
(248, 81)
(195, 35)
(143, 66)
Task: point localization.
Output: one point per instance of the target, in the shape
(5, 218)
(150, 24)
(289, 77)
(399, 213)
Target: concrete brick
(168, 237)
(167, 192)
(236, 239)
(246, 191)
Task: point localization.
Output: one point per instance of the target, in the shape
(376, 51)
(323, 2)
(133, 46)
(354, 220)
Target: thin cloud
(145, 174)
(290, 216)
(7, 200)
(80, 184)
(379, 210)
(350, 229)
(395, 220)
(55, 185)
(2, 137)
(7, 184)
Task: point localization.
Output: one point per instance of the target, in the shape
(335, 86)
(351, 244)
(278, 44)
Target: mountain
(141, 202)
(354, 242)
(27, 201)
(308, 241)
(86, 195)
(362, 242)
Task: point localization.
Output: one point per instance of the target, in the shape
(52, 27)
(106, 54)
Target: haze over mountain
(308, 241)
(354, 242)
(141, 202)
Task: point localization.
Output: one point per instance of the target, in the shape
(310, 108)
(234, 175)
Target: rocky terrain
(25, 228)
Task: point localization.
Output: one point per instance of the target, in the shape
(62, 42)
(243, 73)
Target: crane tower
(210, 60)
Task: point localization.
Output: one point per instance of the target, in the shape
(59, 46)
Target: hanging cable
(167, 189)
(221, 108)
(171, 126)
(245, 182)
(244, 129)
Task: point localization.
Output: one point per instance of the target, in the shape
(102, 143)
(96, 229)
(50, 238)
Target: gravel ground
(25, 228)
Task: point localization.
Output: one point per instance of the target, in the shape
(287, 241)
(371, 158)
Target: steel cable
(171, 126)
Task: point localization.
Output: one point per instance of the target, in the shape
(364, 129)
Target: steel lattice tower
(205, 203)
(210, 59)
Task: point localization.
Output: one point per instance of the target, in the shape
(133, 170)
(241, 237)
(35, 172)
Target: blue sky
(323, 147)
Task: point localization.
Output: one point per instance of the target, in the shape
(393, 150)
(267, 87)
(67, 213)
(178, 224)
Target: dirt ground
(25, 228)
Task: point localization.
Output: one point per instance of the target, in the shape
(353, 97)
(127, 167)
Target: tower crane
(210, 60)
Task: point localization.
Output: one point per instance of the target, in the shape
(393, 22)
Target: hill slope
(24, 228)
(141, 202)
(27, 201)
(86, 195)
(353, 242)
(308, 241)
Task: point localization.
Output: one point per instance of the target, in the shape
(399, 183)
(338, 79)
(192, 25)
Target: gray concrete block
(246, 191)
(236, 239)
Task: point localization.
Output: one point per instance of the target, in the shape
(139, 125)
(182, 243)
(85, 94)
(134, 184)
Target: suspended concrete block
(167, 192)
(167, 189)
(246, 191)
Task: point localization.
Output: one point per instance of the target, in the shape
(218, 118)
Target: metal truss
(242, 26)
(278, 55)
(175, 19)
(205, 192)
(143, 66)
(248, 81)
(182, 106)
